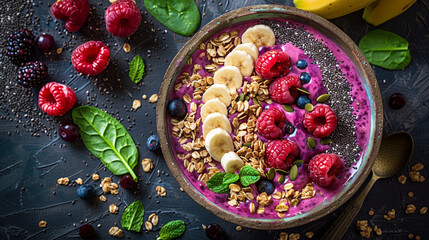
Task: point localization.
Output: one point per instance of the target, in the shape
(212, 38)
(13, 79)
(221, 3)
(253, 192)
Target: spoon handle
(343, 221)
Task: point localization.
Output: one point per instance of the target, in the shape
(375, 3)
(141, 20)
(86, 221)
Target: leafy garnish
(132, 218)
(230, 178)
(248, 175)
(136, 69)
(172, 230)
(216, 184)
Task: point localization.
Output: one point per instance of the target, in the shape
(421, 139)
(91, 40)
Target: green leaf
(385, 49)
(171, 230)
(216, 184)
(230, 178)
(107, 139)
(248, 175)
(132, 218)
(182, 17)
(136, 69)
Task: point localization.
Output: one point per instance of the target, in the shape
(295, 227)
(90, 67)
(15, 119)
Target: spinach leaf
(172, 230)
(216, 183)
(132, 218)
(107, 139)
(136, 69)
(385, 49)
(248, 175)
(180, 16)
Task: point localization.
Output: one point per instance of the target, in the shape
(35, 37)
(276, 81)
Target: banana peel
(383, 10)
(331, 9)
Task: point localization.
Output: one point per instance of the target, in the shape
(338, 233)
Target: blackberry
(32, 74)
(20, 45)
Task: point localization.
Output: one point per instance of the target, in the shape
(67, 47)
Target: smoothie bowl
(270, 117)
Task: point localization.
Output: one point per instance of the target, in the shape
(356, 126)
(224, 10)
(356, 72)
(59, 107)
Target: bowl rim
(320, 24)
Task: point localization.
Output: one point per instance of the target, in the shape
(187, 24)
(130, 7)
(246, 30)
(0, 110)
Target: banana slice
(250, 48)
(260, 35)
(242, 60)
(230, 76)
(220, 91)
(213, 106)
(231, 162)
(216, 120)
(218, 142)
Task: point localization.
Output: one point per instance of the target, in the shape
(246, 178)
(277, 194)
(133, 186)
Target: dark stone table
(31, 165)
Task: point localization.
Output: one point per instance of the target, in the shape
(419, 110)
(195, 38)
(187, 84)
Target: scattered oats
(410, 194)
(113, 208)
(108, 186)
(136, 104)
(63, 181)
(294, 236)
(116, 232)
(377, 231)
(144, 97)
(423, 210)
(239, 228)
(371, 212)
(418, 237)
(252, 207)
(126, 47)
(260, 210)
(59, 51)
(153, 98)
(79, 181)
(416, 177)
(42, 224)
(417, 167)
(181, 189)
(153, 218)
(95, 177)
(204, 226)
(161, 191)
(402, 179)
(309, 235)
(390, 215)
(283, 236)
(147, 164)
(410, 236)
(148, 225)
(365, 230)
(410, 209)
(102, 198)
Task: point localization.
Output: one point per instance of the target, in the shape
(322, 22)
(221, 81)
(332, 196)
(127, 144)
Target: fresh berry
(91, 58)
(45, 42)
(86, 231)
(324, 168)
(273, 64)
(56, 99)
(69, 132)
(177, 108)
(85, 191)
(271, 123)
(305, 78)
(281, 153)
(73, 12)
(19, 46)
(397, 101)
(127, 182)
(122, 18)
(302, 100)
(320, 122)
(283, 90)
(152, 143)
(32, 74)
(301, 64)
(266, 186)
(215, 232)
(289, 129)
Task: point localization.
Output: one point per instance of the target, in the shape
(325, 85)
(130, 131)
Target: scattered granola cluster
(108, 186)
(365, 229)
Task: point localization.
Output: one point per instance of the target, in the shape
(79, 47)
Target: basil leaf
(180, 16)
(132, 218)
(385, 49)
(107, 139)
(216, 184)
(248, 175)
(230, 178)
(136, 69)
(172, 230)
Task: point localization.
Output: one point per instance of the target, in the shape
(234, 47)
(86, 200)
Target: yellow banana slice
(230, 76)
(250, 48)
(216, 120)
(241, 60)
(218, 142)
(220, 91)
(231, 162)
(260, 35)
(212, 106)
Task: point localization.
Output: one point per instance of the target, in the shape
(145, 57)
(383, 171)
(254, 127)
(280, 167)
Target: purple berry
(45, 42)
(397, 101)
(266, 186)
(177, 108)
(69, 132)
(215, 232)
(86, 231)
(127, 182)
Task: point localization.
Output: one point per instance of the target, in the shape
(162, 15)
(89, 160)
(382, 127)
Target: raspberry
(73, 12)
(19, 46)
(32, 74)
(280, 153)
(56, 99)
(283, 90)
(321, 121)
(91, 58)
(272, 123)
(323, 168)
(122, 18)
(273, 64)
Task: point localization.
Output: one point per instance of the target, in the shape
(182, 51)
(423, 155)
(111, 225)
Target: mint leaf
(136, 69)
(172, 230)
(216, 184)
(132, 218)
(230, 178)
(248, 175)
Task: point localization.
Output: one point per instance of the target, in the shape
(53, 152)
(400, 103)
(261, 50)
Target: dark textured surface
(30, 166)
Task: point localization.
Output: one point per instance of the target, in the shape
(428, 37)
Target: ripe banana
(250, 48)
(231, 162)
(330, 9)
(383, 10)
(216, 120)
(218, 91)
(260, 35)
(241, 60)
(230, 76)
(218, 142)
(213, 106)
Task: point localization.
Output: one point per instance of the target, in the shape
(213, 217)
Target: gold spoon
(395, 151)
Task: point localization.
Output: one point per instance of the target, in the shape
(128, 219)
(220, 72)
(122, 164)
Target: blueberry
(289, 129)
(69, 132)
(266, 186)
(85, 191)
(177, 108)
(86, 231)
(302, 100)
(215, 232)
(127, 182)
(397, 101)
(152, 143)
(305, 77)
(301, 64)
